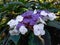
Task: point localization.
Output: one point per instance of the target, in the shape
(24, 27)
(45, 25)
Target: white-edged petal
(42, 21)
(19, 18)
(14, 32)
(23, 30)
(12, 23)
(35, 11)
(51, 16)
(43, 13)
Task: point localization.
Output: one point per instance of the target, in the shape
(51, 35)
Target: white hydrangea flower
(41, 20)
(35, 11)
(14, 32)
(43, 13)
(39, 29)
(23, 30)
(51, 16)
(12, 23)
(19, 18)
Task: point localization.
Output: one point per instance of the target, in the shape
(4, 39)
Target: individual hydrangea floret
(51, 16)
(43, 13)
(12, 23)
(39, 29)
(23, 30)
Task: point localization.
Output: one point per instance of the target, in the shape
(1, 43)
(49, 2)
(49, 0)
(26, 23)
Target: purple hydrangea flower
(30, 18)
(27, 13)
(32, 22)
(35, 17)
(26, 20)
(19, 25)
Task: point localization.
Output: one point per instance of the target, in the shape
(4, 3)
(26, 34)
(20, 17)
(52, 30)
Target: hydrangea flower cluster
(33, 20)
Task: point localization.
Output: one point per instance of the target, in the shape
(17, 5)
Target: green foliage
(15, 38)
(47, 38)
(34, 40)
(55, 24)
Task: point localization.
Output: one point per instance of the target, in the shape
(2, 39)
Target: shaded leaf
(55, 24)
(15, 38)
(55, 10)
(47, 37)
(33, 40)
(23, 1)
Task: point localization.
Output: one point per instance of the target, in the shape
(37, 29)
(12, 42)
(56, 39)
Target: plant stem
(41, 40)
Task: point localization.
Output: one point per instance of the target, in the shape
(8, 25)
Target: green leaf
(33, 40)
(12, 5)
(15, 38)
(55, 10)
(47, 37)
(55, 24)
(23, 1)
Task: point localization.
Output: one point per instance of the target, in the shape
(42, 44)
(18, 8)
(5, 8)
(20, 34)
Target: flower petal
(14, 32)
(41, 26)
(42, 32)
(12, 23)
(51, 16)
(42, 21)
(19, 18)
(19, 25)
(38, 29)
(43, 13)
(35, 11)
(23, 30)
